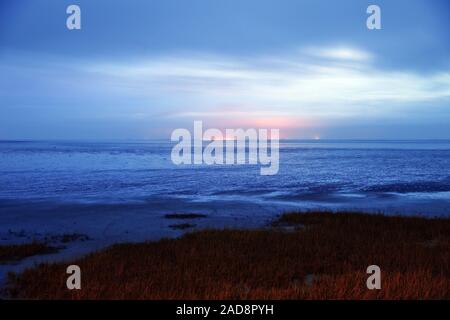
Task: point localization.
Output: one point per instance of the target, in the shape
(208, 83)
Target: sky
(140, 69)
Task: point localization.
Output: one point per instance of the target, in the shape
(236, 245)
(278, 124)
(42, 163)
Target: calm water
(312, 173)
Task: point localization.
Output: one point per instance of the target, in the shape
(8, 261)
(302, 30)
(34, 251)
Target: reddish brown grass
(17, 252)
(331, 250)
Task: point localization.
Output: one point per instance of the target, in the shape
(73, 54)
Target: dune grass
(12, 253)
(301, 256)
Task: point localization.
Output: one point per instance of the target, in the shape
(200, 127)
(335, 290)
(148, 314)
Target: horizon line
(282, 139)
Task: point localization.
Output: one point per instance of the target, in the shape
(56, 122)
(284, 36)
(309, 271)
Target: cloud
(332, 82)
(340, 53)
(290, 90)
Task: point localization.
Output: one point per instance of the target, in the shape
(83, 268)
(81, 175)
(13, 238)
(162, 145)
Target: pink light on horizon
(285, 124)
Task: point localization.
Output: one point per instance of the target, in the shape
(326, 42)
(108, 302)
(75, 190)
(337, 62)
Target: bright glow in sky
(310, 68)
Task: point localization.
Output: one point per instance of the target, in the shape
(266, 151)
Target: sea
(334, 174)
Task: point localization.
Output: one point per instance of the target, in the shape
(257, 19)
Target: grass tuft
(13, 253)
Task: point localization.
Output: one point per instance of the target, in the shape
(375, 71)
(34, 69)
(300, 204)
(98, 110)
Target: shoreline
(108, 224)
(422, 238)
